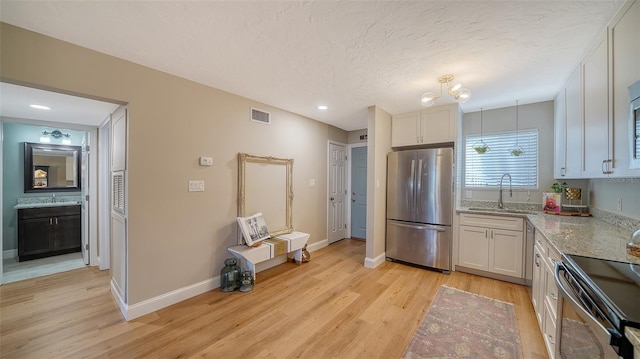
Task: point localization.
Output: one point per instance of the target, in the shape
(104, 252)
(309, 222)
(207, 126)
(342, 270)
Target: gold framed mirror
(265, 186)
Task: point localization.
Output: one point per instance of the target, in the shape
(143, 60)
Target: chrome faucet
(53, 199)
(500, 204)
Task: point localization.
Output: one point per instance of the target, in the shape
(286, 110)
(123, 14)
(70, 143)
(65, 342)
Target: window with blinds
(484, 170)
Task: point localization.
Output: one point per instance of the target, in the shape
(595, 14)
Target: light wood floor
(331, 307)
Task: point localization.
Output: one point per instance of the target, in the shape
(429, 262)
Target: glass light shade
(463, 95)
(454, 88)
(428, 99)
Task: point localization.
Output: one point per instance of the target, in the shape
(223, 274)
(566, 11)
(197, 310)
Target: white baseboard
(317, 245)
(9, 253)
(374, 262)
(115, 292)
(162, 301)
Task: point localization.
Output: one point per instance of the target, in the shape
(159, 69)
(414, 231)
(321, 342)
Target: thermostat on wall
(206, 161)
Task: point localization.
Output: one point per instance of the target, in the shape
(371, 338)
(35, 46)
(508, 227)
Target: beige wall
(177, 238)
(379, 125)
(605, 194)
(354, 136)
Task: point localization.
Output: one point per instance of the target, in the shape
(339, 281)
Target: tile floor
(15, 271)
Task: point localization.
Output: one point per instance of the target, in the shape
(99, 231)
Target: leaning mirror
(51, 168)
(265, 186)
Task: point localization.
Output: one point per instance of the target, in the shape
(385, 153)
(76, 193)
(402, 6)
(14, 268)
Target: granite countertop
(42, 205)
(585, 236)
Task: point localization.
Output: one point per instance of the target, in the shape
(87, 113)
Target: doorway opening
(75, 121)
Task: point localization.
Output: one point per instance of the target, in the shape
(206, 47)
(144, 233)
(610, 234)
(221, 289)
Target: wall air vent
(118, 191)
(260, 116)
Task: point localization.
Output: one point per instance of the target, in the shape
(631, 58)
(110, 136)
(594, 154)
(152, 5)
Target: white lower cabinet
(492, 244)
(544, 292)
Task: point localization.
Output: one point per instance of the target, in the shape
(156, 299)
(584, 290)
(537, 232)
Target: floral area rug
(460, 324)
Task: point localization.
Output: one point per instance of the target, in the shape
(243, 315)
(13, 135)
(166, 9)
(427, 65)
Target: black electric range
(617, 284)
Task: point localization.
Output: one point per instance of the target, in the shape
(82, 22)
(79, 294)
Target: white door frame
(104, 194)
(328, 192)
(349, 191)
(1, 207)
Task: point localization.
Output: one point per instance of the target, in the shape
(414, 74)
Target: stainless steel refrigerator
(419, 207)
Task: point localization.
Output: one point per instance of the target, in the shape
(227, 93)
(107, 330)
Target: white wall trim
(115, 292)
(372, 263)
(9, 253)
(311, 247)
(137, 310)
(164, 300)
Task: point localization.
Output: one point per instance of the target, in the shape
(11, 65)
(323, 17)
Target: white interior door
(84, 215)
(337, 192)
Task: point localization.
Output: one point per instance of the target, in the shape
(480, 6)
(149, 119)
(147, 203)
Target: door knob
(331, 198)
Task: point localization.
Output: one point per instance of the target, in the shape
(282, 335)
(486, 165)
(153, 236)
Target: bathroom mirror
(51, 168)
(265, 185)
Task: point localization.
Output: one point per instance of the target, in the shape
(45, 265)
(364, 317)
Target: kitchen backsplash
(612, 218)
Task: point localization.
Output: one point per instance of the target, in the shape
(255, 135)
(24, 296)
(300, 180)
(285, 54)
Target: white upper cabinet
(429, 126)
(596, 124)
(592, 128)
(625, 59)
(568, 128)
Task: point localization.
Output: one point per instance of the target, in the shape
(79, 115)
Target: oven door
(585, 332)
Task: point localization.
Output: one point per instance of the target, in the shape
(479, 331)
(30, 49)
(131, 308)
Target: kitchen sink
(500, 210)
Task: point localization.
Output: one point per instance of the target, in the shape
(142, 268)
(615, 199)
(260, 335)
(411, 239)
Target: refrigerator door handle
(421, 226)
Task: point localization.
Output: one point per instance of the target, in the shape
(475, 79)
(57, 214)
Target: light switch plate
(206, 161)
(468, 194)
(196, 186)
(312, 182)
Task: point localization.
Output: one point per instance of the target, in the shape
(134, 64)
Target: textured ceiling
(346, 55)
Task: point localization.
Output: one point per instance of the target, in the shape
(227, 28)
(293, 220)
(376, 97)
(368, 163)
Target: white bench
(249, 256)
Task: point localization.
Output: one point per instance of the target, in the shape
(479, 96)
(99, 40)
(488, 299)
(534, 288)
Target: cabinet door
(559, 136)
(405, 129)
(596, 110)
(474, 247)
(625, 47)
(437, 125)
(33, 236)
(538, 286)
(573, 135)
(506, 251)
(67, 233)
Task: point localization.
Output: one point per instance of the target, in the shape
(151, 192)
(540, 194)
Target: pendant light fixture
(516, 150)
(480, 146)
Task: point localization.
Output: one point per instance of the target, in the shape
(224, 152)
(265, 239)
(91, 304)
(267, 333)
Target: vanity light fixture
(40, 107)
(55, 134)
(461, 94)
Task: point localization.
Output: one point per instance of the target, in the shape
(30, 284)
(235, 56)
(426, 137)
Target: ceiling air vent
(260, 116)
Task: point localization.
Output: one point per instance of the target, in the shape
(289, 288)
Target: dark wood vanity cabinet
(48, 231)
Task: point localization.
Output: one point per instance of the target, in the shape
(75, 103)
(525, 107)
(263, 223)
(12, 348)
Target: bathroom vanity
(45, 231)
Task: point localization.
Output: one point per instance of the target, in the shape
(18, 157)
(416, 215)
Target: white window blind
(484, 170)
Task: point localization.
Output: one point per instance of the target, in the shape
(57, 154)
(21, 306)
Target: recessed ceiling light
(322, 107)
(40, 107)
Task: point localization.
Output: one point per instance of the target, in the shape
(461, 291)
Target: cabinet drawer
(46, 212)
(491, 221)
